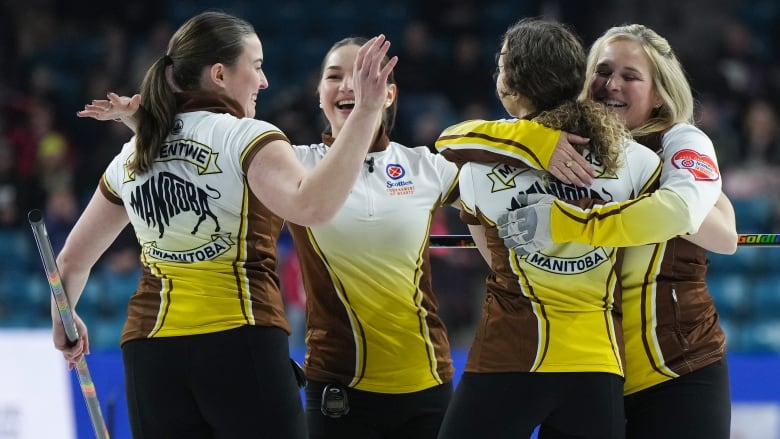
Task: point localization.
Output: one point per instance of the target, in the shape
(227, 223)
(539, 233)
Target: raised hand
(370, 77)
(119, 108)
(527, 229)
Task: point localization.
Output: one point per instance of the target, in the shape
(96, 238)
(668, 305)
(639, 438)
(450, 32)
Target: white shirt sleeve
(691, 170)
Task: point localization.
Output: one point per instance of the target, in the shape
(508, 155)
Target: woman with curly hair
(549, 348)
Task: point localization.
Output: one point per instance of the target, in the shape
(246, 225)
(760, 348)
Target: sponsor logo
(396, 186)
(395, 171)
(701, 166)
(758, 239)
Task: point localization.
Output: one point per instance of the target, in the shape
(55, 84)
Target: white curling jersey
(208, 246)
(372, 320)
(558, 309)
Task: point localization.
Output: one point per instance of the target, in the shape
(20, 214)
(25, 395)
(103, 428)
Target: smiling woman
(368, 280)
(677, 382)
(624, 83)
(206, 189)
(548, 349)
(367, 273)
(676, 375)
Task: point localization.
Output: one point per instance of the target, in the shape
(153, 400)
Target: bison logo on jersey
(701, 166)
(164, 197)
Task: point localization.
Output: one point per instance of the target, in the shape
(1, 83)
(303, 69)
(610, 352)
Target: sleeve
(517, 142)
(652, 217)
(690, 184)
(448, 175)
(468, 211)
(307, 155)
(252, 135)
(691, 171)
(640, 221)
(110, 184)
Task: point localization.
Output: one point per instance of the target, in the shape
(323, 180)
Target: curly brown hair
(593, 120)
(545, 62)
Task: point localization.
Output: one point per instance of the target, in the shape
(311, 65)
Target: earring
(320, 104)
(388, 103)
(657, 106)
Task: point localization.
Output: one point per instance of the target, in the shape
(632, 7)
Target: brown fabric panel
(263, 232)
(460, 157)
(505, 311)
(260, 143)
(653, 141)
(380, 143)
(453, 195)
(208, 101)
(468, 218)
(688, 329)
(436, 328)
(110, 196)
(145, 303)
(331, 352)
(617, 309)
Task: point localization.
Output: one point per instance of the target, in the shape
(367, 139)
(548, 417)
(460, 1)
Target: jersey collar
(207, 101)
(381, 142)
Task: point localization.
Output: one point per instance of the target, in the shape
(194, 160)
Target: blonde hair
(669, 78)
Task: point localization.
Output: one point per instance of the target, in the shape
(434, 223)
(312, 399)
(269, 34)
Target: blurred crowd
(57, 56)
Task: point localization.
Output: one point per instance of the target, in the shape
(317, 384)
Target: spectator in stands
(11, 208)
(61, 212)
(294, 296)
(754, 181)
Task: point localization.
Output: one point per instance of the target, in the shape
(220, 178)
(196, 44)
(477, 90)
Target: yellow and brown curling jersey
(556, 310)
(371, 317)
(208, 245)
(670, 321)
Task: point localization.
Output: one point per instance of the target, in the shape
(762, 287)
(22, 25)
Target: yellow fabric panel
(505, 138)
(648, 219)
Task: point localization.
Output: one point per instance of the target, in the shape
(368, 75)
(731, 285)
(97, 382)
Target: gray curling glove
(527, 229)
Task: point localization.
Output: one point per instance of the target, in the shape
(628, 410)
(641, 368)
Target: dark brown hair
(388, 117)
(545, 62)
(204, 40)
